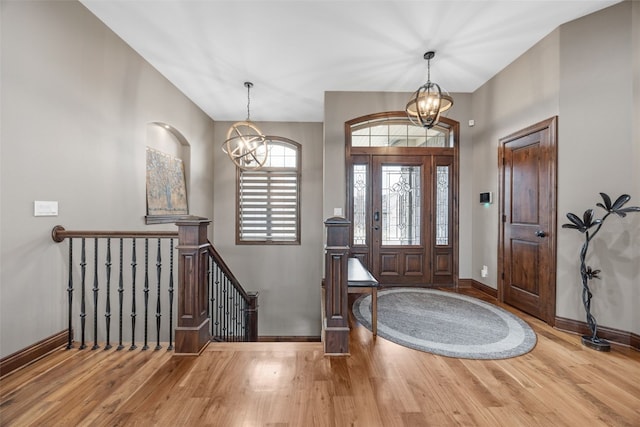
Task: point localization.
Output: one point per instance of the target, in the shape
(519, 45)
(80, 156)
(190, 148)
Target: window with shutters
(268, 210)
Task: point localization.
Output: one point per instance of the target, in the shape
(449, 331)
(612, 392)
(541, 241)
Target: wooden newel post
(336, 316)
(193, 331)
(251, 318)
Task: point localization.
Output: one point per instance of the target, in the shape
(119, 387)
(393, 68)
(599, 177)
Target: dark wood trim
(192, 333)
(276, 338)
(614, 335)
(335, 322)
(465, 283)
(635, 341)
(32, 353)
(58, 234)
(471, 283)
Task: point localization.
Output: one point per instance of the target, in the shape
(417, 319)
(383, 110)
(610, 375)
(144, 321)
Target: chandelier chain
(248, 86)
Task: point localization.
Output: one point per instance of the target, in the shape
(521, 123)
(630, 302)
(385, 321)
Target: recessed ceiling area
(294, 51)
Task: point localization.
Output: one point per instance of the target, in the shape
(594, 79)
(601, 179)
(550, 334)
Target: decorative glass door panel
(400, 215)
(399, 229)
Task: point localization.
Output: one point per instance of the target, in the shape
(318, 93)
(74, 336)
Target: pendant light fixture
(429, 101)
(246, 145)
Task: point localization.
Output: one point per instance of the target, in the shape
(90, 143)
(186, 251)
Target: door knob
(540, 233)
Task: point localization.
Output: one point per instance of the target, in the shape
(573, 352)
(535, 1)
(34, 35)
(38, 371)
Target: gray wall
(597, 151)
(522, 94)
(76, 108)
(287, 277)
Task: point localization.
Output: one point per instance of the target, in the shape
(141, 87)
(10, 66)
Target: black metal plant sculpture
(587, 273)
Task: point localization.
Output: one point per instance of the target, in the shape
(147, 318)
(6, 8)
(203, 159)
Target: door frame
(352, 153)
(551, 156)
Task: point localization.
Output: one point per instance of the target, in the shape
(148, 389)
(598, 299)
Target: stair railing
(234, 312)
(211, 301)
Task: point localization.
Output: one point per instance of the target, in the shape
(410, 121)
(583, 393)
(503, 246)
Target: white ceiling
(294, 51)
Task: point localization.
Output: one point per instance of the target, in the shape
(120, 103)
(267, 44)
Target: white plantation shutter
(269, 199)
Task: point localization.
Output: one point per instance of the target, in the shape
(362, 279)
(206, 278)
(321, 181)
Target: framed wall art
(166, 188)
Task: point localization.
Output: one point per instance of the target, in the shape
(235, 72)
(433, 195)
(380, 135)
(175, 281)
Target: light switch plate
(337, 211)
(45, 208)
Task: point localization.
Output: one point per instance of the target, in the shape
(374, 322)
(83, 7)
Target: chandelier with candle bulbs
(429, 101)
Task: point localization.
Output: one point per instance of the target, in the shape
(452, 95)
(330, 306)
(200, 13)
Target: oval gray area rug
(447, 324)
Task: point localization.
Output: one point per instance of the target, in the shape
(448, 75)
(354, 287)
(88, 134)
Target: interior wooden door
(527, 241)
(401, 192)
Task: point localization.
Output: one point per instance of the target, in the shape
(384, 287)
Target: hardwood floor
(559, 383)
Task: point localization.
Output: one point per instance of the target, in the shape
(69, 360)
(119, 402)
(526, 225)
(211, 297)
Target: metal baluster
(217, 308)
(230, 316)
(120, 296)
(243, 329)
(238, 316)
(146, 293)
(70, 297)
(212, 297)
(133, 294)
(227, 319)
(219, 305)
(107, 314)
(95, 295)
(158, 307)
(171, 296)
(223, 303)
(210, 277)
(232, 297)
(214, 300)
(83, 314)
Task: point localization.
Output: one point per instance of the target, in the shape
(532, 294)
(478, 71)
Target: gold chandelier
(246, 145)
(429, 101)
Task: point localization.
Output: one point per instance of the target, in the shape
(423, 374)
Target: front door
(400, 191)
(528, 213)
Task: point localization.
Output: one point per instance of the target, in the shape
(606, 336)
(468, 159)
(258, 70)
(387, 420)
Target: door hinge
(503, 275)
(504, 218)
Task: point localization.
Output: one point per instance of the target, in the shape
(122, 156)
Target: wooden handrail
(58, 234)
(227, 271)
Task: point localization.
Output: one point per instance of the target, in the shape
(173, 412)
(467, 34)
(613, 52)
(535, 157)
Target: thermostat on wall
(486, 198)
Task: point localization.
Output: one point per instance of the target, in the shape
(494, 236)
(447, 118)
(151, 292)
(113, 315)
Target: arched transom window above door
(399, 132)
